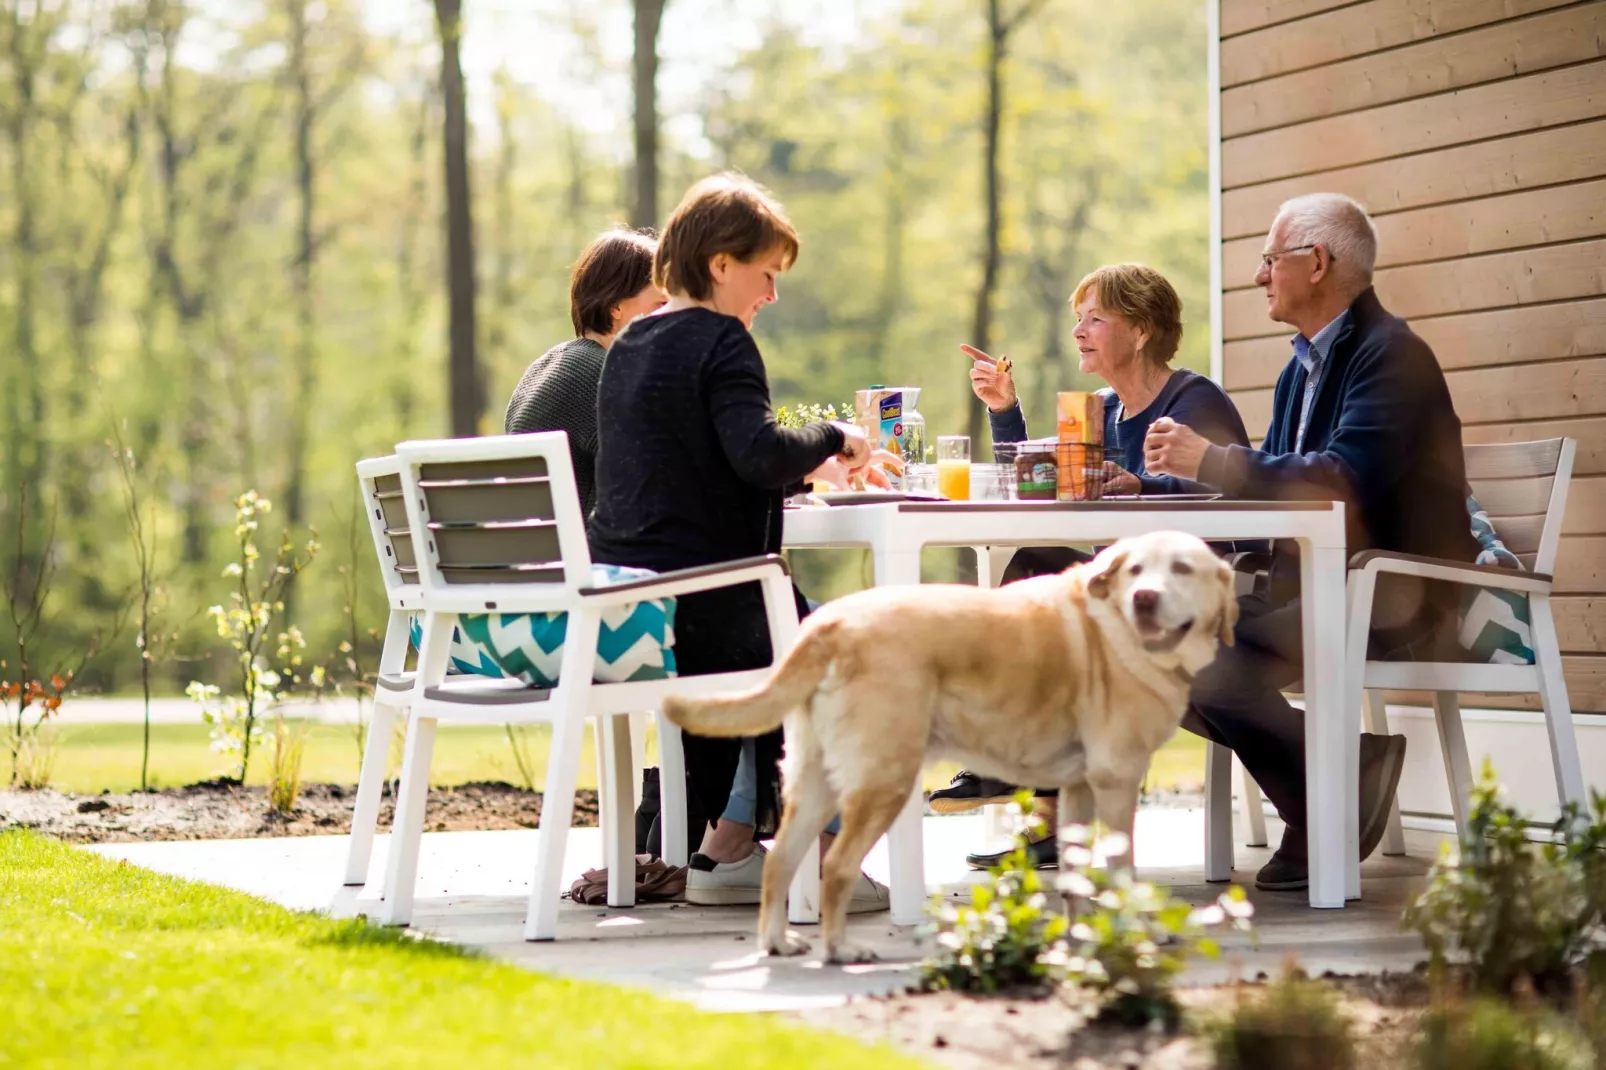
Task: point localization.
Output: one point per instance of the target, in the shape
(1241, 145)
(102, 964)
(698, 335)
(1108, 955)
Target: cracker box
(1081, 444)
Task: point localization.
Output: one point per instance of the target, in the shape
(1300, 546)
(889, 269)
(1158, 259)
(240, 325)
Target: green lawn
(99, 757)
(104, 964)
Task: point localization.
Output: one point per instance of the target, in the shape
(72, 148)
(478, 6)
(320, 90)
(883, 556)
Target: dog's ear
(1229, 605)
(1102, 568)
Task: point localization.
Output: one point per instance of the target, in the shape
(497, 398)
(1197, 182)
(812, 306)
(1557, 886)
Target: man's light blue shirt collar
(1313, 353)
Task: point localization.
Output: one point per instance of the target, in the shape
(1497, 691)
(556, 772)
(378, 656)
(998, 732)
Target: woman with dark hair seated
(693, 470)
(610, 286)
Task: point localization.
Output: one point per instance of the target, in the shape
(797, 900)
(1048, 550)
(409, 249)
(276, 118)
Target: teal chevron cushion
(634, 642)
(1496, 626)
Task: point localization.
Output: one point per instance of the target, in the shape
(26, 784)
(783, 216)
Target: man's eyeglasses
(1268, 259)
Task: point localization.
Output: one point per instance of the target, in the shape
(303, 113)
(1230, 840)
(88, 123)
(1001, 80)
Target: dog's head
(1171, 591)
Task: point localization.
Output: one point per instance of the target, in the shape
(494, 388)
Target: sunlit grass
(104, 964)
(105, 757)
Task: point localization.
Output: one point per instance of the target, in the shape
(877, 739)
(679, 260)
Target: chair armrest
(688, 581)
(1438, 568)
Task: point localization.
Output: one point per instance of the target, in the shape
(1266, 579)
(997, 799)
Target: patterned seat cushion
(635, 641)
(1496, 626)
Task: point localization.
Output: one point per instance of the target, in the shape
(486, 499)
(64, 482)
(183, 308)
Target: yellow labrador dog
(1074, 679)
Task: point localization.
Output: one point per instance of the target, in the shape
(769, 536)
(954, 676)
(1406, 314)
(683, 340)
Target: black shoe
(1043, 854)
(967, 792)
(1382, 762)
(1288, 870)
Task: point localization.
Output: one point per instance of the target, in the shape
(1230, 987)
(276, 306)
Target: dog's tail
(753, 712)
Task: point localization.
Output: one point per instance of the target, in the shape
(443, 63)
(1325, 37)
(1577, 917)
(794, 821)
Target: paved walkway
(96, 710)
(472, 887)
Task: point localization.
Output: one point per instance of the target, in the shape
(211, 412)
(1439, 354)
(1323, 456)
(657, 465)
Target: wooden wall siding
(1336, 38)
(1475, 131)
(1520, 46)
(1531, 102)
(1523, 161)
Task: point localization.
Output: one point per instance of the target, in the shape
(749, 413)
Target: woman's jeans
(742, 807)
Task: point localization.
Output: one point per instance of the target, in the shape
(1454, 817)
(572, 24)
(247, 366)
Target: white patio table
(896, 533)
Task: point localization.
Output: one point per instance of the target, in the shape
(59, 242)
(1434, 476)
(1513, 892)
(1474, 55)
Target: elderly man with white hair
(1361, 415)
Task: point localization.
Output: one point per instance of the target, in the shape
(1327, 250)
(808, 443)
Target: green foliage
(803, 415)
(1006, 938)
(1127, 942)
(284, 780)
(1488, 1034)
(244, 624)
(1512, 909)
(1295, 1024)
(1131, 938)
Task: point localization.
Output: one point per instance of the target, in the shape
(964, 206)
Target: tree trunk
(404, 392)
(463, 375)
(649, 15)
(981, 328)
(305, 368)
(27, 449)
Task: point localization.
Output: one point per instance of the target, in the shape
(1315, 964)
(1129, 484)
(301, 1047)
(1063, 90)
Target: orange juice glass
(953, 467)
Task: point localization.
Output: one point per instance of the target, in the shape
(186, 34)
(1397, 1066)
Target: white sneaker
(725, 884)
(869, 896)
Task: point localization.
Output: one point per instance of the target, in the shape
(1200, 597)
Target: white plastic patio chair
(496, 527)
(381, 487)
(379, 480)
(1523, 488)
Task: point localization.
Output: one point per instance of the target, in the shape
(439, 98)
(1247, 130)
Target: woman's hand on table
(858, 463)
(1118, 480)
(1173, 449)
(990, 382)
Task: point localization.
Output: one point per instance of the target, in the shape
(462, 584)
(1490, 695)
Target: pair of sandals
(656, 882)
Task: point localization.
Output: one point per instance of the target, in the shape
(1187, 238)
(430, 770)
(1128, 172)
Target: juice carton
(879, 411)
(1081, 445)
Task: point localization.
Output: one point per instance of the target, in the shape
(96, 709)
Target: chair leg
(619, 847)
(638, 753)
(1218, 813)
(906, 845)
(557, 812)
(1453, 742)
(569, 702)
(671, 793)
(599, 752)
(407, 830)
(1376, 715)
(1254, 807)
(1558, 710)
(370, 785)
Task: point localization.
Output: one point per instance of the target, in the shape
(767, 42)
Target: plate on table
(871, 497)
(1161, 497)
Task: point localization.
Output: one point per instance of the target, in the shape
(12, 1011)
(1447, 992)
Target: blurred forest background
(244, 243)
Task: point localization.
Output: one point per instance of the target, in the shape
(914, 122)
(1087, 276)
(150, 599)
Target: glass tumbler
(953, 467)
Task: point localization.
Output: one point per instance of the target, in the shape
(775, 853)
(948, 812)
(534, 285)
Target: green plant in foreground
(284, 782)
(1132, 938)
(1490, 1035)
(236, 719)
(1295, 1024)
(1005, 938)
(1124, 946)
(1512, 909)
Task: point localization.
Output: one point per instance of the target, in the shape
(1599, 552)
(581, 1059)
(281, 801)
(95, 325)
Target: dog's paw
(850, 955)
(790, 943)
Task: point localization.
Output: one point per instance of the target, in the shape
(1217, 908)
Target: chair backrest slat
(496, 510)
(384, 500)
(1523, 488)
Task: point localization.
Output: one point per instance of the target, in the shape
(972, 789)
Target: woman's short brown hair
(727, 213)
(615, 267)
(1143, 296)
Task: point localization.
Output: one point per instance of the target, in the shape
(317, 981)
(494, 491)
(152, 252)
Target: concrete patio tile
(472, 889)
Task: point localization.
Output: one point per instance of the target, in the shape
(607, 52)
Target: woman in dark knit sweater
(692, 470)
(611, 285)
